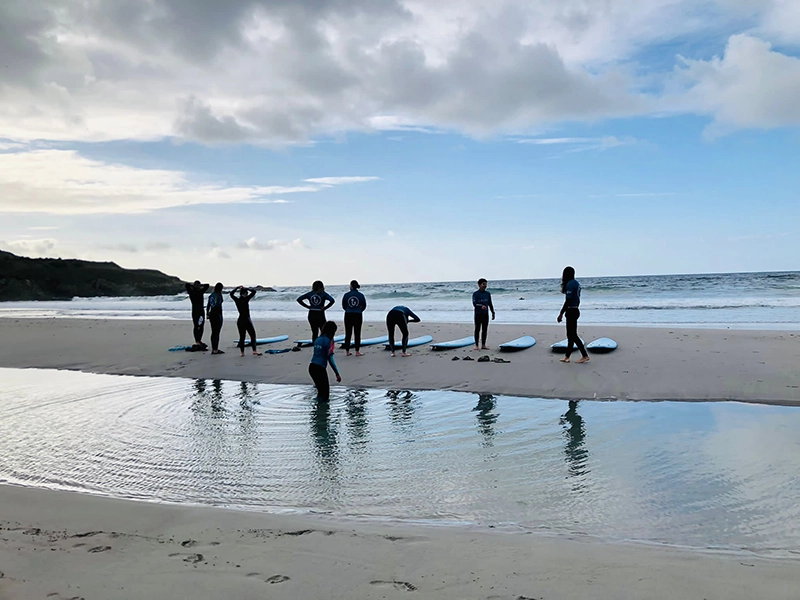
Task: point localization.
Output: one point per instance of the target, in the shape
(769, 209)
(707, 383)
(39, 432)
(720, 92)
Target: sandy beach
(650, 363)
(65, 545)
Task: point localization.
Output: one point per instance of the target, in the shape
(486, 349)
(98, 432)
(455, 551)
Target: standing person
(572, 291)
(214, 316)
(323, 354)
(317, 301)
(196, 291)
(244, 323)
(482, 301)
(354, 304)
(400, 316)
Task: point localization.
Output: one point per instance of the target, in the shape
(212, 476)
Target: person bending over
(196, 291)
(317, 301)
(572, 292)
(323, 354)
(482, 301)
(244, 323)
(399, 316)
(354, 303)
(214, 316)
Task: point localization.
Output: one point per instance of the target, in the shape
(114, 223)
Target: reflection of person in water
(357, 422)
(576, 453)
(486, 417)
(325, 440)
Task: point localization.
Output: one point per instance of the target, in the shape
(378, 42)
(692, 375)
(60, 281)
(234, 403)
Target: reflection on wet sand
(575, 453)
(486, 418)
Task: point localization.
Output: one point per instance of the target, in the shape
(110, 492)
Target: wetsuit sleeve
(251, 295)
(304, 297)
(188, 287)
(363, 303)
(331, 300)
(344, 302)
(491, 306)
(205, 287)
(231, 295)
(411, 316)
(474, 299)
(333, 364)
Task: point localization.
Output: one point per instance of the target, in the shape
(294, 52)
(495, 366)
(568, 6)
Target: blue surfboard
(521, 343)
(372, 341)
(178, 348)
(306, 343)
(269, 340)
(602, 345)
(561, 347)
(459, 343)
(417, 341)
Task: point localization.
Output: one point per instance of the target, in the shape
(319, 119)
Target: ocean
(717, 301)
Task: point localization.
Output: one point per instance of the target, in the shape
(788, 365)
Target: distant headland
(23, 278)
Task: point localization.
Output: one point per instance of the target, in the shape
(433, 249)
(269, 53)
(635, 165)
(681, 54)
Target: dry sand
(64, 545)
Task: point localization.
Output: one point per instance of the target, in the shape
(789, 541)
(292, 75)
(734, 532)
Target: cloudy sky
(282, 141)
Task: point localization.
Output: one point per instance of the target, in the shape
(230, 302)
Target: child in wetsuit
(323, 354)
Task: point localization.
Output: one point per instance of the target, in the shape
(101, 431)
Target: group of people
(323, 332)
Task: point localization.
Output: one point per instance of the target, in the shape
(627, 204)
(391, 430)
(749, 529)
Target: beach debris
(501, 360)
(484, 358)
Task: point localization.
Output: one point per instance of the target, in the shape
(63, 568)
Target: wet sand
(64, 545)
(650, 364)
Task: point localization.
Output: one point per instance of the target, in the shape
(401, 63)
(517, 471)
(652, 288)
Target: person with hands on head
(399, 317)
(323, 355)
(354, 303)
(482, 301)
(572, 292)
(214, 316)
(196, 291)
(317, 301)
(244, 323)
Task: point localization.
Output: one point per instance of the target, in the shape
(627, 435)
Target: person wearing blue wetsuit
(214, 316)
(354, 303)
(323, 354)
(572, 292)
(244, 323)
(482, 301)
(317, 301)
(196, 291)
(399, 317)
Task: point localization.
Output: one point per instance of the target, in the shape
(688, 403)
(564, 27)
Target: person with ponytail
(323, 354)
(572, 292)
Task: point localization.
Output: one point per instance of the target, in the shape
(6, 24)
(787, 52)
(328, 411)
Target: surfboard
(417, 341)
(306, 343)
(521, 343)
(602, 345)
(561, 347)
(178, 348)
(371, 341)
(459, 343)
(262, 341)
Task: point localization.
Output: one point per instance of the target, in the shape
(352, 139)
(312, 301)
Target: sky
(277, 142)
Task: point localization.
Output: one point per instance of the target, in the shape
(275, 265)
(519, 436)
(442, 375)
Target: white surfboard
(521, 343)
(602, 345)
(459, 343)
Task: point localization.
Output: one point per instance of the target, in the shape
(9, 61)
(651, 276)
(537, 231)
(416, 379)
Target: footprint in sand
(403, 586)
(188, 543)
(273, 579)
(99, 549)
(190, 558)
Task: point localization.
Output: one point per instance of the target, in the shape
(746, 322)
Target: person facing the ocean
(317, 301)
(482, 301)
(244, 323)
(196, 291)
(214, 316)
(323, 354)
(354, 303)
(399, 316)
(572, 292)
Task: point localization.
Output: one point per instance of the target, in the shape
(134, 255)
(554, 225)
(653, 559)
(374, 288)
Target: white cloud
(254, 244)
(750, 86)
(64, 182)
(390, 233)
(40, 247)
(340, 180)
(217, 252)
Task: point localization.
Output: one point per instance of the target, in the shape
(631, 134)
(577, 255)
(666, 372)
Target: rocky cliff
(24, 278)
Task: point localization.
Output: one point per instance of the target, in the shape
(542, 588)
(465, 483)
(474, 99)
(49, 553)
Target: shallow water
(721, 475)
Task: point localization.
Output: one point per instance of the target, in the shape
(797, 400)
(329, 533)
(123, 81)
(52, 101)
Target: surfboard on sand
(602, 345)
(189, 348)
(269, 340)
(371, 341)
(306, 343)
(521, 343)
(417, 341)
(459, 343)
(561, 347)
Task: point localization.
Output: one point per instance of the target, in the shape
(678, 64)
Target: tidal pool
(707, 475)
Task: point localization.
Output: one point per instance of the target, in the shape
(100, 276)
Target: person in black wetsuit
(399, 316)
(323, 355)
(317, 301)
(572, 292)
(482, 301)
(196, 291)
(244, 323)
(214, 316)
(354, 304)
